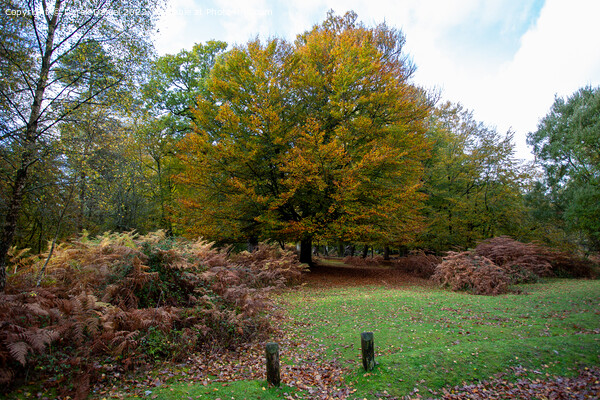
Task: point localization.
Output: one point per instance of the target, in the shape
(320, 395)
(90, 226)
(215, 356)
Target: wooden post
(368, 350)
(272, 353)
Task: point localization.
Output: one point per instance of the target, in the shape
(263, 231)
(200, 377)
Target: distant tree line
(324, 140)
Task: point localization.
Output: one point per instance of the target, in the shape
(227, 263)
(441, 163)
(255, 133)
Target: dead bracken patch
(133, 301)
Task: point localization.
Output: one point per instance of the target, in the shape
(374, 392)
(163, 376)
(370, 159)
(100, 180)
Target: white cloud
(243, 20)
(557, 56)
(173, 26)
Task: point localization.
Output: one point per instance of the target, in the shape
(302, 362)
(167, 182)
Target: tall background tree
(165, 116)
(567, 147)
(43, 94)
(322, 139)
(474, 185)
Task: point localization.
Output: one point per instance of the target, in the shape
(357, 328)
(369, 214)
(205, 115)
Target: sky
(505, 60)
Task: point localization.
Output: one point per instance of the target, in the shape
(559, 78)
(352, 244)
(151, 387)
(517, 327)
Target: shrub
(418, 263)
(270, 266)
(363, 262)
(473, 273)
(497, 263)
(138, 298)
(567, 265)
(526, 262)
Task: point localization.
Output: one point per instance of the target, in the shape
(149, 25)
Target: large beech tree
(320, 139)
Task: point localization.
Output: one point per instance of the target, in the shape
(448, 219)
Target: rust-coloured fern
(105, 296)
(528, 261)
(418, 263)
(470, 272)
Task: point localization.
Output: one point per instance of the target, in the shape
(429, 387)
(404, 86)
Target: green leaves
(473, 182)
(175, 80)
(566, 145)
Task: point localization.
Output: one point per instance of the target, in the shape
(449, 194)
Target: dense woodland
(325, 142)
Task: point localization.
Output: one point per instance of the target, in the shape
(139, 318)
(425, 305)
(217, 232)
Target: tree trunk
(306, 251)
(168, 222)
(365, 251)
(40, 237)
(82, 195)
(161, 198)
(12, 216)
(386, 253)
(403, 251)
(252, 244)
(28, 157)
(165, 221)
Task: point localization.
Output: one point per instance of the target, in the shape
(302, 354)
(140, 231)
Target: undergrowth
(497, 264)
(134, 299)
(418, 263)
(469, 272)
(363, 261)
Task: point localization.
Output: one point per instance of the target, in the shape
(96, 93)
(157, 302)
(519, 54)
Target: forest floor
(430, 343)
(332, 273)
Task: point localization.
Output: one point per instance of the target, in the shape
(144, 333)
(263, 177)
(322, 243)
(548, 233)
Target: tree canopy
(567, 146)
(58, 53)
(324, 138)
(474, 185)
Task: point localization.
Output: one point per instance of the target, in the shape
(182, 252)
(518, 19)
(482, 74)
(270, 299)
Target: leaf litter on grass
(309, 370)
(318, 373)
(584, 386)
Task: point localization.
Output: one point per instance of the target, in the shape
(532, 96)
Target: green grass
(429, 338)
(239, 390)
(426, 338)
(432, 338)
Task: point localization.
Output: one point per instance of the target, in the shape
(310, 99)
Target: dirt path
(334, 273)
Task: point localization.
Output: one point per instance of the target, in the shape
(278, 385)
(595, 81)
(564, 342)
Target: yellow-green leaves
(321, 139)
(473, 182)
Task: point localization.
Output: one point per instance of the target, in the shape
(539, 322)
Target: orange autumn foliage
(323, 138)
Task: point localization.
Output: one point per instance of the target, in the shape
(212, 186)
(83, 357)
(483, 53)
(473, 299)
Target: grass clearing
(426, 339)
(429, 338)
(239, 390)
